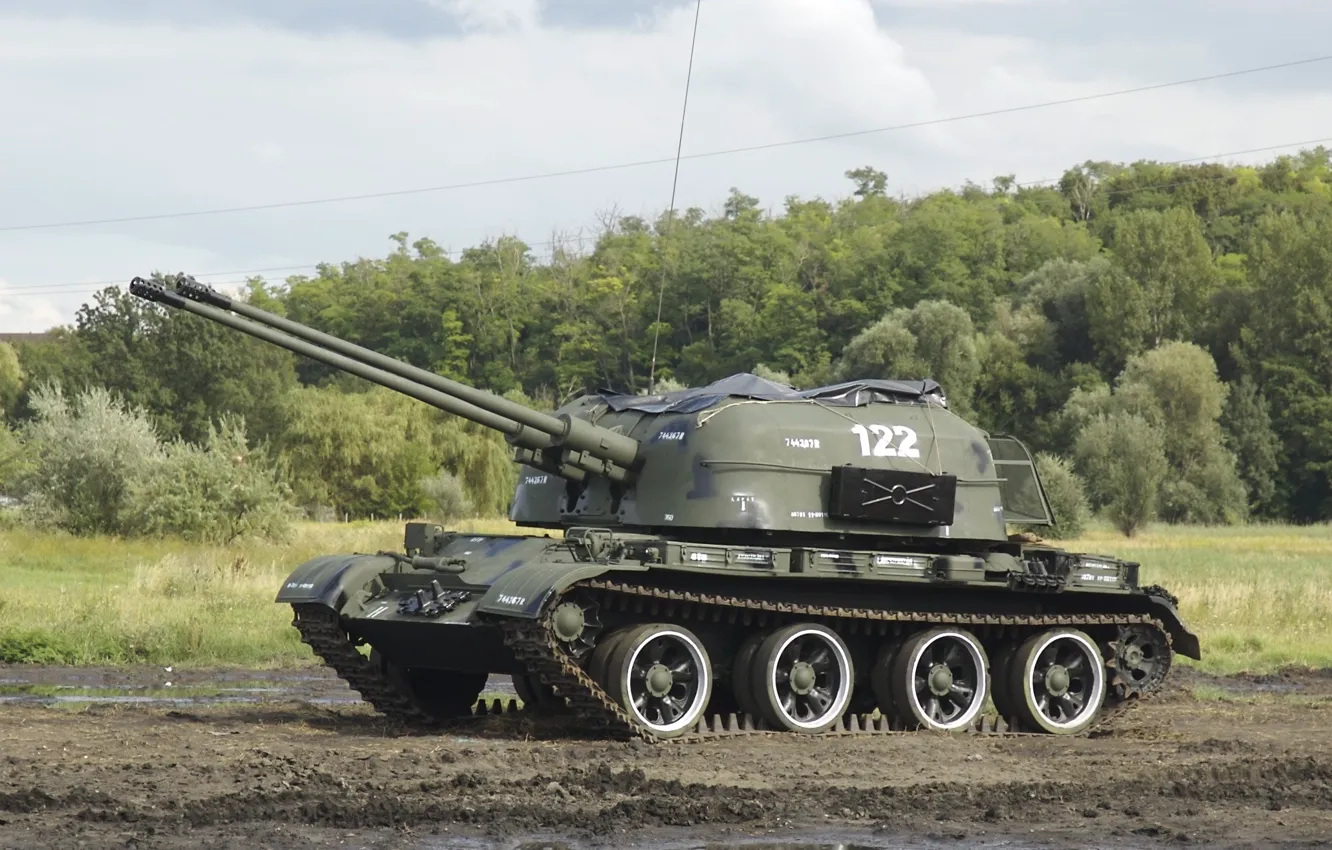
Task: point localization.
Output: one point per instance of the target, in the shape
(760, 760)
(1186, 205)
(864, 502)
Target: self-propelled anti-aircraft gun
(741, 556)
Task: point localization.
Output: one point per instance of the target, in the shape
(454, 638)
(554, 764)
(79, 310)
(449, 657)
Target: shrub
(762, 370)
(1068, 498)
(217, 493)
(447, 497)
(83, 454)
(96, 466)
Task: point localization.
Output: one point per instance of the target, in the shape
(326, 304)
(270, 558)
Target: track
(534, 643)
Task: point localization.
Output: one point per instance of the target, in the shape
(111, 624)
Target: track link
(321, 629)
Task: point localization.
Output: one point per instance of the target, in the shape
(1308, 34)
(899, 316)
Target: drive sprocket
(1139, 660)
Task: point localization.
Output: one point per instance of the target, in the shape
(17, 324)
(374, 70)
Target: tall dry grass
(1259, 596)
(72, 600)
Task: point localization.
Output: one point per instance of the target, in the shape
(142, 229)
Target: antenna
(670, 210)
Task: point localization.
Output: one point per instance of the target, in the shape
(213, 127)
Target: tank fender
(524, 592)
(1184, 641)
(332, 579)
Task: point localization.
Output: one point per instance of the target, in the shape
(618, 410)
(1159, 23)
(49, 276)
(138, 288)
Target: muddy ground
(301, 766)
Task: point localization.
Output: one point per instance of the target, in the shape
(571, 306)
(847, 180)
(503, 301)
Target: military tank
(738, 558)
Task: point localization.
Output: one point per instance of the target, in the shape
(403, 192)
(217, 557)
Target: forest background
(1160, 333)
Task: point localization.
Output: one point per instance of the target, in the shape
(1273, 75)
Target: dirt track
(1250, 773)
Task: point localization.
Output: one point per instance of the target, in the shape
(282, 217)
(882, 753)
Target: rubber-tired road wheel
(940, 679)
(742, 685)
(802, 677)
(661, 675)
(1001, 682)
(881, 676)
(598, 663)
(1058, 678)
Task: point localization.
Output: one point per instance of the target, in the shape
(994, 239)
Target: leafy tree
(1287, 346)
(1176, 388)
(1122, 460)
(366, 454)
(184, 370)
(934, 339)
(11, 379)
(446, 498)
(1169, 263)
(1027, 303)
(870, 182)
(86, 452)
(886, 349)
(98, 466)
(1247, 425)
(219, 492)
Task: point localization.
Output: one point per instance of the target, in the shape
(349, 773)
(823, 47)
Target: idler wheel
(661, 675)
(576, 624)
(940, 679)
(802, 677)
(1058, 677)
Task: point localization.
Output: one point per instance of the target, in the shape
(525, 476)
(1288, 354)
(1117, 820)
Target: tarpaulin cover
(746, 385)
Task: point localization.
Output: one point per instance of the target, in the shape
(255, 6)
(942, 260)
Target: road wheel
(802, 678)
(661, 675)
(1058, 678)
(940, 679)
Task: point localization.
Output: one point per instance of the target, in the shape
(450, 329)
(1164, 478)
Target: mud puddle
(796, 842)
(174, 686)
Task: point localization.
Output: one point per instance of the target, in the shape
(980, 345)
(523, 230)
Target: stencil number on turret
(883, 447)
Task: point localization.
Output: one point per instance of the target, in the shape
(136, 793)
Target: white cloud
(937, 3)
(492, 14)
(27, 313)
(130, 119)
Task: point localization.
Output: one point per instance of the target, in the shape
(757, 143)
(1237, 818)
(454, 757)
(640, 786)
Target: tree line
(1158, 332)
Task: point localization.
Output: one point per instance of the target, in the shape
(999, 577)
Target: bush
(82, 456)
(762, 370)
(447, 497)
(217, 493)
(1068, 498)
(97, 466)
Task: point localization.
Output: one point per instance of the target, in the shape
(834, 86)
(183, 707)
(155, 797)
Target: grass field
(1260, 596)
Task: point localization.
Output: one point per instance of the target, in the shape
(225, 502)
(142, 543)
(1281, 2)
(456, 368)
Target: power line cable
(642, 163)
(94, 286)
(670, 209)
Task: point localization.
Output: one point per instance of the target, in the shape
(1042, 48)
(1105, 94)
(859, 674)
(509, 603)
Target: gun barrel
(524, 437)
(576, 434)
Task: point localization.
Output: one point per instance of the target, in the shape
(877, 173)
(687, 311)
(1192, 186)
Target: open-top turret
(740, 556)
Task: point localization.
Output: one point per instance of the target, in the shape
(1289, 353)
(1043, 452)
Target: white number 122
(884, 448)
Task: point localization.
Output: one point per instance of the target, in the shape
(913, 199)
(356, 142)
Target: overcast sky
(116, 108)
